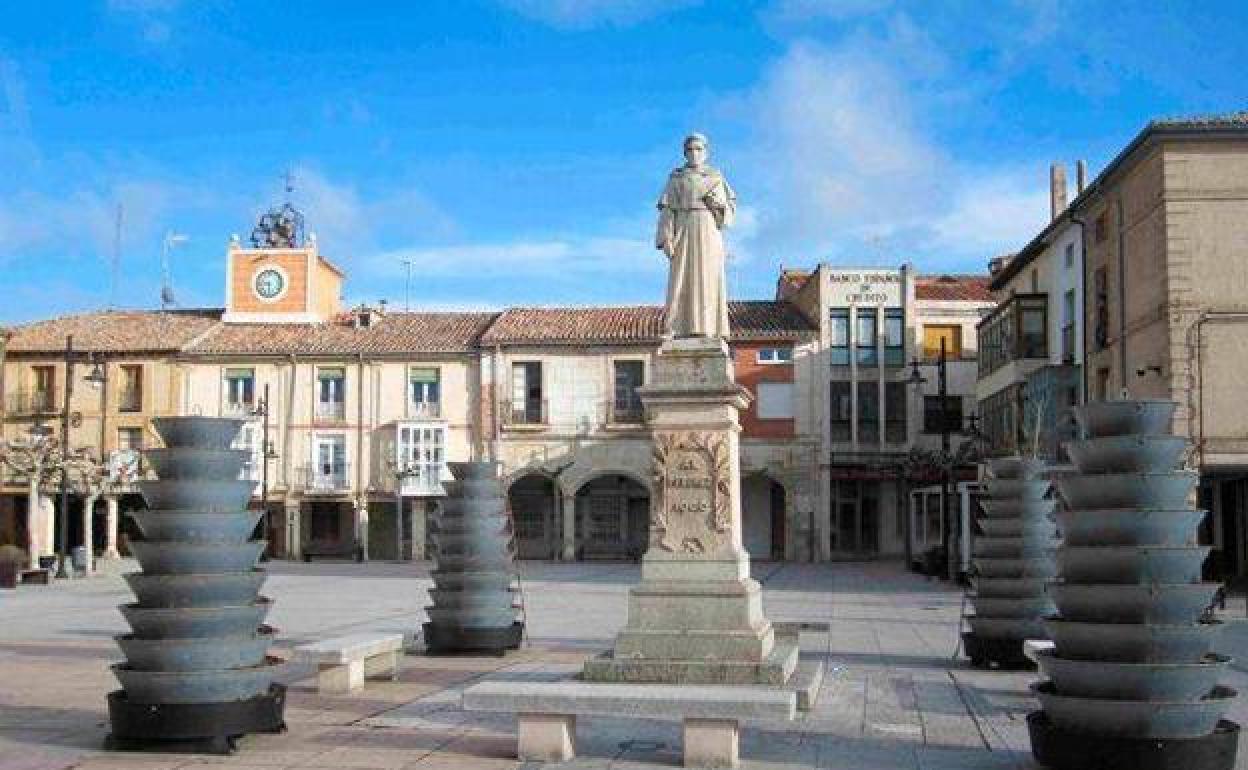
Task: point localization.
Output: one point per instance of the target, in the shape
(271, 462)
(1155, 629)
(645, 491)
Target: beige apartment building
(1167, 266)
(568, 427)
(1159, 269)
(123, 374)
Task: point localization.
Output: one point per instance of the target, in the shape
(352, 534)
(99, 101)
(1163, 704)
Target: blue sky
(512, 149)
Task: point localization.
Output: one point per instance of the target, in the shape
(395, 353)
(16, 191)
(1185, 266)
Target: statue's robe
(695, 206)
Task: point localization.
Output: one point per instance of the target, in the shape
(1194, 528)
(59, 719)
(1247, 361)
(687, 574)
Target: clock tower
(282, 278)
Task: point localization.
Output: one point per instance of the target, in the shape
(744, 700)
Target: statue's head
(697, 148)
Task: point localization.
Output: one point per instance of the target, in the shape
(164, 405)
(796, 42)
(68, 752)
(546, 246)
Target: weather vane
(282, 226)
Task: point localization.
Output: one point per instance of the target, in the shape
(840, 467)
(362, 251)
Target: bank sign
(864, 287)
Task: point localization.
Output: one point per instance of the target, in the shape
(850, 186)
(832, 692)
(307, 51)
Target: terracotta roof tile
(393, 333)
(116, 331)
(637, 324)
(953, 288)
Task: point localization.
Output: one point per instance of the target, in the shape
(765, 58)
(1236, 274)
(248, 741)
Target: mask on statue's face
(695, 152)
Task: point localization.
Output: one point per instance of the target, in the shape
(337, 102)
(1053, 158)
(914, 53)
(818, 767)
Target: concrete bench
(546, 713)
(36, 576)
(345, 661)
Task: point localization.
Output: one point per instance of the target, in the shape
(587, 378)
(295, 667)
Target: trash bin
(78, 558)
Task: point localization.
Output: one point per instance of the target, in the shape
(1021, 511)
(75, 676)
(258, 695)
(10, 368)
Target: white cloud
(561, 259)
(82, 221)
(344, 218)
(993, 214)
(841, 149)
(585, 14)
(847, 162)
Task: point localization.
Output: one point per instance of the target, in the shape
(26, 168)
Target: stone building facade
(124, 373)
(877, 326)
(1164, 229)
(571, 434)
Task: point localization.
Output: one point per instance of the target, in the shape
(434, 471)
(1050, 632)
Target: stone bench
(546, 713)
(1032, 648)
(345, 661)
(37, 576)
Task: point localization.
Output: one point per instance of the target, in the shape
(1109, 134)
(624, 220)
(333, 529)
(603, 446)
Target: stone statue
(695, 206)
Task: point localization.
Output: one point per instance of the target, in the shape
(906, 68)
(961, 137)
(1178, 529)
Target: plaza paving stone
(898, 697)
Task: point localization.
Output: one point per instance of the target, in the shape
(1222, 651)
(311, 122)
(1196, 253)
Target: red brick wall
(749, 373)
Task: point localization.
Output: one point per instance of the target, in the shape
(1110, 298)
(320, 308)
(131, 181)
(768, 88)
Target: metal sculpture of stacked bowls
(475, 596)
(1132, 682)
(1013, 561)
(196, 667)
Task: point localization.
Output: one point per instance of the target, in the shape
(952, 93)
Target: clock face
(269, 283)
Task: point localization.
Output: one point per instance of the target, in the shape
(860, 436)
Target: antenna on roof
(115, 276)
(166, 276)
(407, 287)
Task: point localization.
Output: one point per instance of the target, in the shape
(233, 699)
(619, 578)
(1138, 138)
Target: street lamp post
(266, 454)
(946, 470)
(96, 376)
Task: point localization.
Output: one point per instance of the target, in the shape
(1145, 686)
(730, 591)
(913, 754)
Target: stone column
(88, 529)
(419, 513)
(567, 525)
(696, 617)
(361, 527)
(112, 522)
(294, 530)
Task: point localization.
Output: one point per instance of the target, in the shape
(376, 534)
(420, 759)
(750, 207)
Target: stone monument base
(696, 617)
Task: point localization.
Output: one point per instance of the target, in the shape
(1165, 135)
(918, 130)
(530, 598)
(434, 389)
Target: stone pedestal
(696, 616)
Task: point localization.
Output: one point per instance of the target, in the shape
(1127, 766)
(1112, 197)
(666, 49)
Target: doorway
(855, 519)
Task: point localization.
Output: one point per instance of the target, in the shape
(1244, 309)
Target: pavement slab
(896, 695)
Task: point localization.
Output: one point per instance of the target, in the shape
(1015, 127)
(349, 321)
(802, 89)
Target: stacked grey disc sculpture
(1012, 560)
(476, 602)
(1132, 681)
(196, 667)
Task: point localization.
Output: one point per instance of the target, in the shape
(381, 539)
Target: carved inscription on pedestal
(693, 488)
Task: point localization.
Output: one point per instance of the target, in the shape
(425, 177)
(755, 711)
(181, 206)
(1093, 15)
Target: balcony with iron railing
(34, 402)
(531, 414)
(424, 410)
(331, 411)
(238, 408)
(321, 479)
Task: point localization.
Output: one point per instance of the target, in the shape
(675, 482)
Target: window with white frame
(240, 391)
(331, 384)
(421, 458)
(775, 401)
(775, 355)
(424, 391)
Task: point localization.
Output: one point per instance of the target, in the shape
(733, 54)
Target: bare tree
(38, 462)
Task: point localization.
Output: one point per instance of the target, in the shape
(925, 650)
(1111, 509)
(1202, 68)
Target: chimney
(1057, 190)
(1081, 176)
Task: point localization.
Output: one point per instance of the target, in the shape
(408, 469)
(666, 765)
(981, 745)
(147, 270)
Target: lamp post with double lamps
(266, 454)
(96, 376)
(946, 465)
